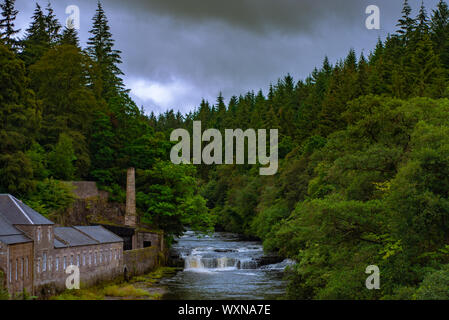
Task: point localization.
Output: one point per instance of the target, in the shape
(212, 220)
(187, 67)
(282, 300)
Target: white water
(223, 267)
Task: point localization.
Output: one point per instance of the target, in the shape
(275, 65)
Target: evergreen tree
(20, 118)
(422, 22)
(37, 39)
(7, 26)
(426, 71)
(70, 36)
(440, 31)
(101, 49)
(406, 24)
(53, 26)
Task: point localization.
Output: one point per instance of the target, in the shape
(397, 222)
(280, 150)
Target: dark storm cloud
(260, 16)
(176, 52)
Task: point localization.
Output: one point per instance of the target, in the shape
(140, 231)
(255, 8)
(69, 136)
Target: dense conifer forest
(363, 146)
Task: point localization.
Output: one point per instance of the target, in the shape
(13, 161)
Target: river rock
(269, 259)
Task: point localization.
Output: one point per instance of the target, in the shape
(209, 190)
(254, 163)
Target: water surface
(223, 267)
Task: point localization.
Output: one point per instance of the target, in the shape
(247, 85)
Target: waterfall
(219, 263)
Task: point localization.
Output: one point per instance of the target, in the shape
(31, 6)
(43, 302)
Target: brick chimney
(130, 216)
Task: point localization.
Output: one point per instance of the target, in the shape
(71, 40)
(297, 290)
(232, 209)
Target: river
(221, 266)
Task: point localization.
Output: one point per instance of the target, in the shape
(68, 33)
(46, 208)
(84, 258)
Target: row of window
(18, 269)
(86, 258)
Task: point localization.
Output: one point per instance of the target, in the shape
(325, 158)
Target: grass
(128, 291)
(116, 289)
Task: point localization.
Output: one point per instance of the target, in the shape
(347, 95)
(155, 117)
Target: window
(101, 256)
(10, 271)
(78, 260)
(38, 234)
(50, 266)
(38, 265)
(84, 258)
(17, 262)
(65, 262)
(71, 260)
(49, 234)
(95, 258)
(44, 262)
(21, 268)
(26, 267)
(110, 255)
(57, 263)
(90, 258)
(115, 252)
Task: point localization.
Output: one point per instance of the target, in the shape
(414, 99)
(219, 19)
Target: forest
(363, 173)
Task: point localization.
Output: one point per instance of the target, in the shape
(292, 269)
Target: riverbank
(145, 287)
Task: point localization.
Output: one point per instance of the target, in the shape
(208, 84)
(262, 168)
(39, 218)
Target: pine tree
(100, 48)
(7, 26)
(426, 70)
(52, 25)
(440, 30)
(37, 39)
(70, 36)
(20, 118)
(406, 24)
(422, 22)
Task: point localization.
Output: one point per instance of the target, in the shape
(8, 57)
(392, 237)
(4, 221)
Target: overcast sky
(176, 52)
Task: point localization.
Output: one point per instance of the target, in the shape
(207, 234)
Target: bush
(435, 286)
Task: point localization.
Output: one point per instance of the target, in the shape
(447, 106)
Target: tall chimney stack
(130, 216)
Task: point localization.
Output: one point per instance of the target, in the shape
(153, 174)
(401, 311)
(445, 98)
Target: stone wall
(141, 261)
(19, 268)
(155, 240)
(96, 263)
(98, 210)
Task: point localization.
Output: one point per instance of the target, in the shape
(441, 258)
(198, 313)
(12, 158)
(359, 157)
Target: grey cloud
(231, 46)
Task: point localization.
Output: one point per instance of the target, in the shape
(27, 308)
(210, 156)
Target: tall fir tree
(7, 25)
(20, 117)
(70, 36)
(101, 50)
(439, 26)
(53, 26)
(406, 24)
(37, 39)
(422, 22)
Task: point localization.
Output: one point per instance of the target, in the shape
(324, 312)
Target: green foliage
(51, 198)
(20, 118)
(167, 196)
(61, 159)
(434, 286)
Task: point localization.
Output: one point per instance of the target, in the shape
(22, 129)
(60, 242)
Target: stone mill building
(35, 253)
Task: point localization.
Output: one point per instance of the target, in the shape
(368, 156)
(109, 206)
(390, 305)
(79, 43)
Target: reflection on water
(222, 267)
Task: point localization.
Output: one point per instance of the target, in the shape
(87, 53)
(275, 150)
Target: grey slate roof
(14, 239)
(72, 237)
(16, 212)
(58, 244)
(9, 234)
(100, 234)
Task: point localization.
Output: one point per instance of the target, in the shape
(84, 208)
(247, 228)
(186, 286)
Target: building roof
(100, 234)
(58, 244)
(73, 238)
(15, 239)
(9, 234)
(16, 212)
